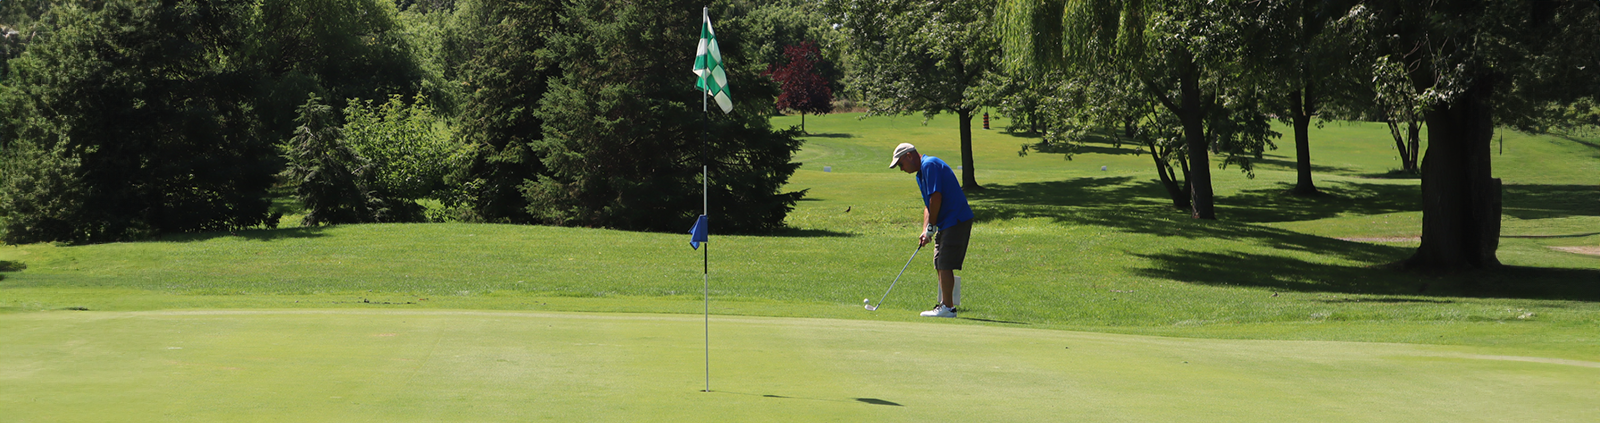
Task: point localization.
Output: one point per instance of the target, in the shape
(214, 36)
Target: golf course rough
(376, 365)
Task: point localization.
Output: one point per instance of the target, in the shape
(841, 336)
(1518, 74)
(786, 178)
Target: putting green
(367, 365)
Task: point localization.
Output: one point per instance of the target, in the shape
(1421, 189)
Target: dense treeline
(124, 119)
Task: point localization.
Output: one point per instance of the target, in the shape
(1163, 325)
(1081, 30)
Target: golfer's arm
(930, 214)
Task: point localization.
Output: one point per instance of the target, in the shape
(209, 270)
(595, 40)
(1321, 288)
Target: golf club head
(870, 307)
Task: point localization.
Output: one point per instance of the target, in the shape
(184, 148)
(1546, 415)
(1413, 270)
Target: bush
(408, 150)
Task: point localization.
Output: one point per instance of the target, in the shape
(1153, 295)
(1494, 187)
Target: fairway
(353, 365)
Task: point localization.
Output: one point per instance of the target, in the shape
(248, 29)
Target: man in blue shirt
(945, 210)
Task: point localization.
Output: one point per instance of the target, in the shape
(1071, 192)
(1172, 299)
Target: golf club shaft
(897, 277)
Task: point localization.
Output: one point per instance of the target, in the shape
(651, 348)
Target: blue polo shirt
(936, 176)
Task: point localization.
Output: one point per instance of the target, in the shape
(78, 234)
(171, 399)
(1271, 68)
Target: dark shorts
(950, 246)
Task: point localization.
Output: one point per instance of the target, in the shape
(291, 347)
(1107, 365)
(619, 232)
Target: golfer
(944, 210)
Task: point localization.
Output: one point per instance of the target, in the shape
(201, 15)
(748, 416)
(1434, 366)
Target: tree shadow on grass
(1290, 164)
(1551, 201)
(828, 135)
(1142, 207)
(1392, 174)
(1585, 143)
(1276, 205)
(810, 233)
(252, 234)
(1232, 268)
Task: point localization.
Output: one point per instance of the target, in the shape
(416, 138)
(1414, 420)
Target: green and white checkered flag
(708, 66)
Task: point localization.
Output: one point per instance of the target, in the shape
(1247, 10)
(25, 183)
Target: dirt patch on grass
(1593, 251)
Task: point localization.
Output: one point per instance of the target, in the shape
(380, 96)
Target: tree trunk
(1408, 143)
(1460, 199)
(1399, 143)
(1415, 142)
(1301, 106)
(803, 123)
(1192, 116)
(1180, 197)
(969, 182)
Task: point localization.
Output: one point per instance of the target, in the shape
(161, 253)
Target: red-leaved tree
(803, 89)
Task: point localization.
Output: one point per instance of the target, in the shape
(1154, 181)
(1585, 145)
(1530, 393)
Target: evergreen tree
(329, 177)
(623, 127)
(133, 113)
(505, 72)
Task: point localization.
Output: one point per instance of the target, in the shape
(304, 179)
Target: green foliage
(408, 147)
(911, 56)
(336, 49)
(43, 196)
(136, 106)
(927, 57)
(374, 168)
(505, 70)
(1186, 56)
(763, 29)
(623, 131)
(329, 176)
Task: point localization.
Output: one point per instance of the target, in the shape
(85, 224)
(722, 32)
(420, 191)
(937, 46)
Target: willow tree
(1185, 54)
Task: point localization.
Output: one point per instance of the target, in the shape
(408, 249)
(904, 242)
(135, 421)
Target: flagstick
(705, 204)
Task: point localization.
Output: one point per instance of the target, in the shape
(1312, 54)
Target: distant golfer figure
(944, 210)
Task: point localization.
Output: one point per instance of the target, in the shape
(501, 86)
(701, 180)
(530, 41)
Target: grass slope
(1060, 244)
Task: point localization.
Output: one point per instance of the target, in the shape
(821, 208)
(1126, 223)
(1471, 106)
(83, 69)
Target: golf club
(868, 304)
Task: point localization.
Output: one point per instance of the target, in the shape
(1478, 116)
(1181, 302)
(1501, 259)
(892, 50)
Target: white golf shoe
(939, 311)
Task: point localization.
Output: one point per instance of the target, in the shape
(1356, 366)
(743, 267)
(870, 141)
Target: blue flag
(699, 233)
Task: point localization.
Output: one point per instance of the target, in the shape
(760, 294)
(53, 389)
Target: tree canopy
(623, 140)
(922, 57)
(803, 89)
(132, 114)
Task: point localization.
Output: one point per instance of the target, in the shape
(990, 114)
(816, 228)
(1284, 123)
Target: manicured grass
(392, 366)
(1059, 244)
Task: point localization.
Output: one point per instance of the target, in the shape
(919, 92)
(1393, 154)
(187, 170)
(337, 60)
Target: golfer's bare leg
(947, 286)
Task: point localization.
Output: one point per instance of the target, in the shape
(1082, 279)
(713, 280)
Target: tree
(328, 175)
(767, 27)
(506, 71)
(410, 152)
(16, 29)
(337, 49)
(623, 126)
(1185, 54)
(1479, 63)
(803, 89)
(138, 116)
(1305, 51)
(1398, 102)
(914, 56)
